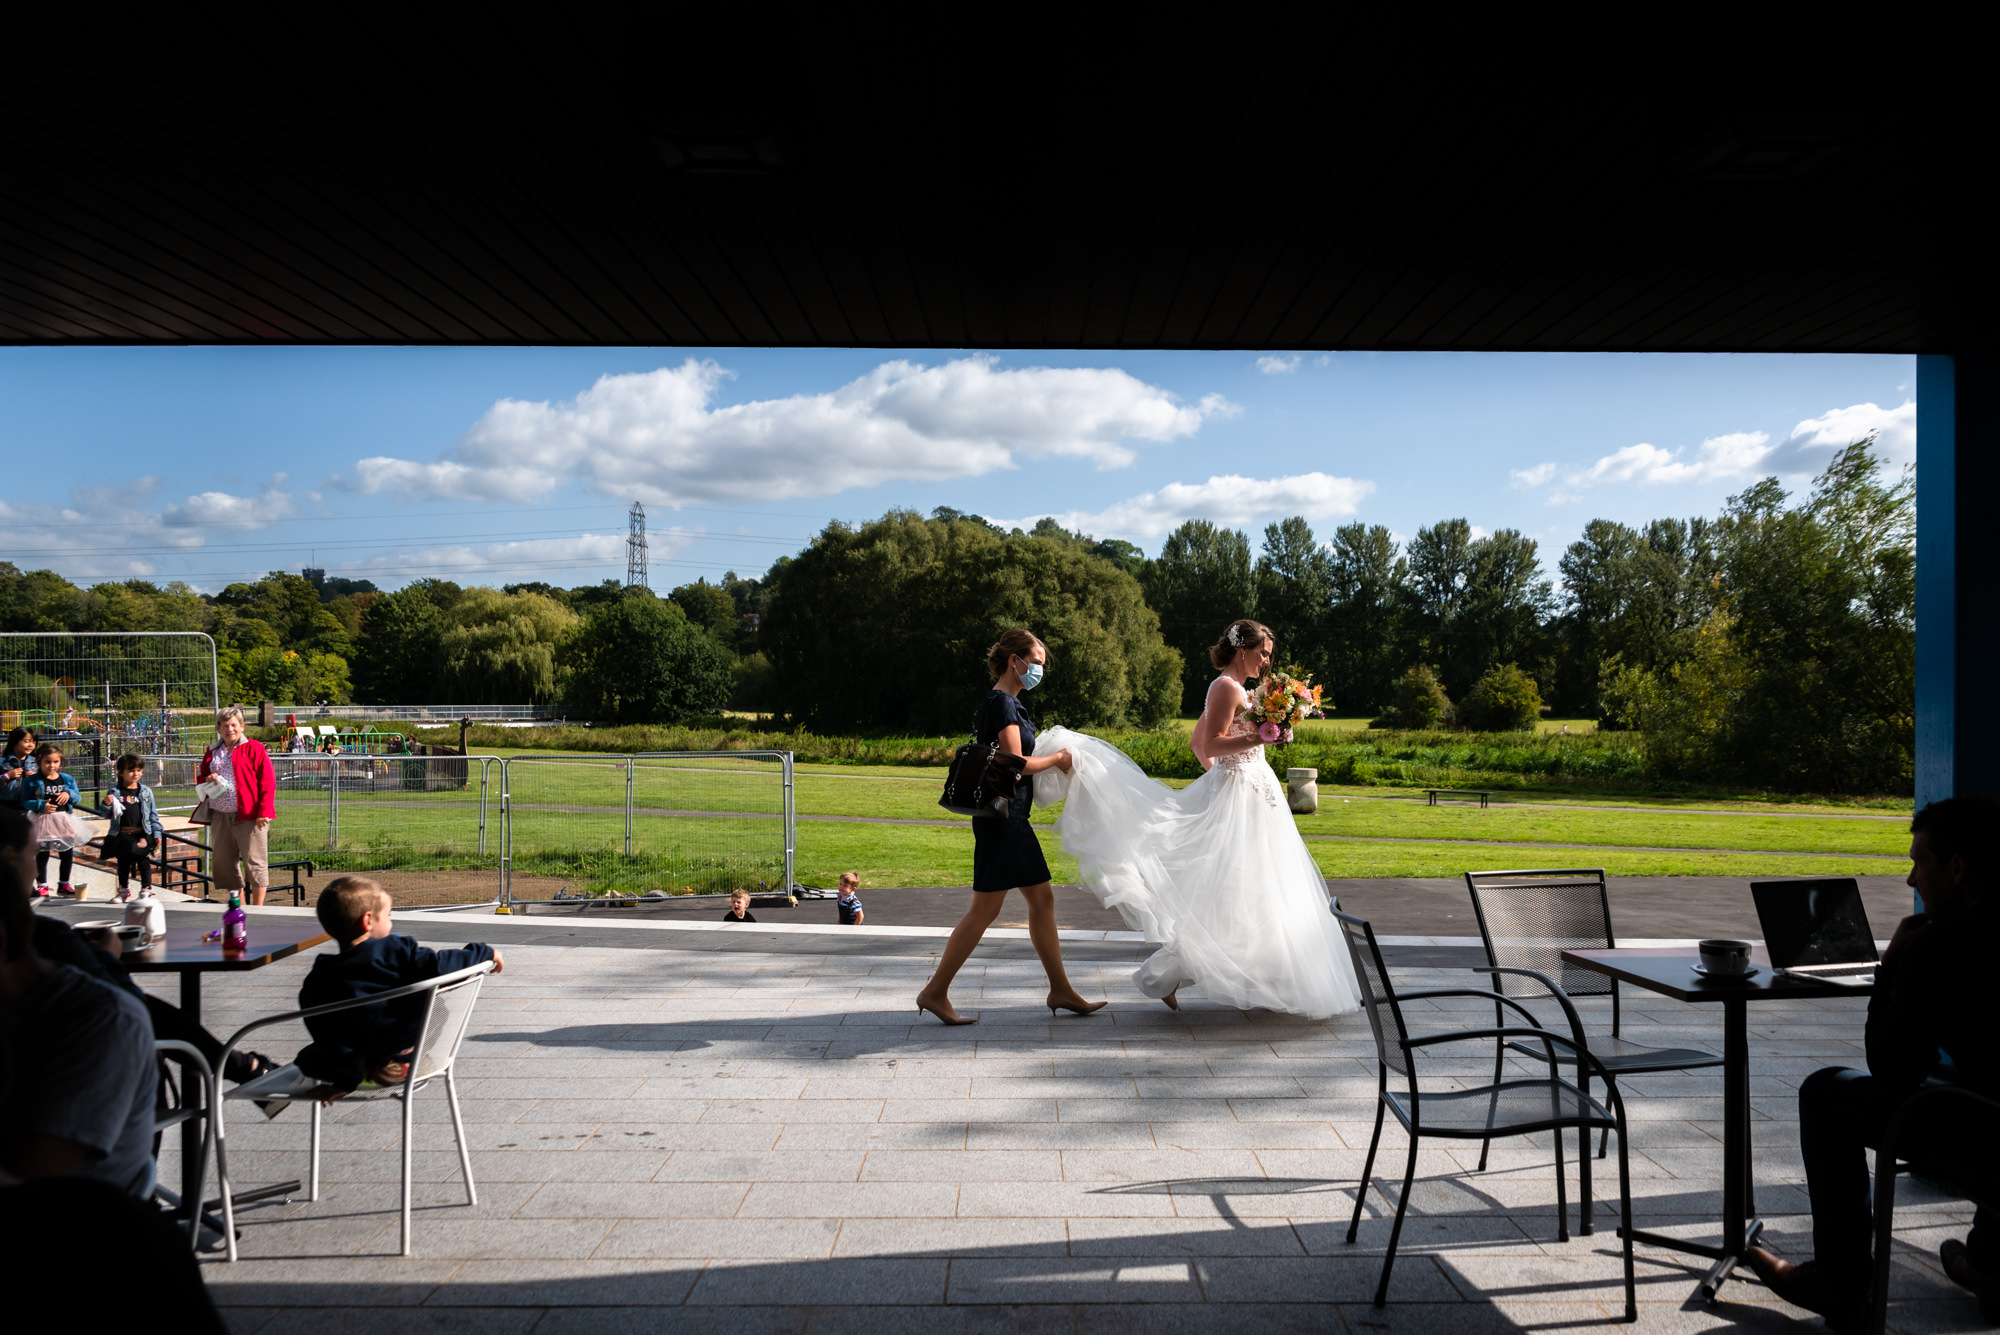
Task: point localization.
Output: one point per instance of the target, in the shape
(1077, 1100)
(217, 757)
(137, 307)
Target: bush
(1504, 700)
(1420, 702)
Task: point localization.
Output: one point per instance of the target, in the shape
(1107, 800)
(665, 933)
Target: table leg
(1739, 1232)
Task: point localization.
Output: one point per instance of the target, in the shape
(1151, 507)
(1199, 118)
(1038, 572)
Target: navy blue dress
(1005, 853)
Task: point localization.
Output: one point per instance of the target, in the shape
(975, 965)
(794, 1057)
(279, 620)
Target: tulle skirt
(1214, 875)
(58, 831)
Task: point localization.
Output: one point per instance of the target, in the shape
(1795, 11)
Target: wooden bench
(1481, 793)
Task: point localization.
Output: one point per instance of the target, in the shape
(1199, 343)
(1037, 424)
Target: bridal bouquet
(1282, 697)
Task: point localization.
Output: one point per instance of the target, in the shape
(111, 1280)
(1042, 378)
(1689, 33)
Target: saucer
(1750, 972)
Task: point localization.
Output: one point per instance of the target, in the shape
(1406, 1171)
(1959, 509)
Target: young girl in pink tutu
(51, 797)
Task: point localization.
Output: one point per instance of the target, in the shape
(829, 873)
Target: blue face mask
(1031, 676)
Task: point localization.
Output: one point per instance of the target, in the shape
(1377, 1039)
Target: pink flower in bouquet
(1270, 732)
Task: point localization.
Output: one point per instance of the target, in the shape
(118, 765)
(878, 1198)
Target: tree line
(1773, 643)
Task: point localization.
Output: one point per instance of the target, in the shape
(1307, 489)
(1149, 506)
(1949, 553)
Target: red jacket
(256, 781)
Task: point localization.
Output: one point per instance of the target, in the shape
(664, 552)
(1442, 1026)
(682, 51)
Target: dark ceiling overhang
(554, 182)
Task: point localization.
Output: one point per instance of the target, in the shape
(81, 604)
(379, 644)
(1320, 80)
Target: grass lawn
(569, 820)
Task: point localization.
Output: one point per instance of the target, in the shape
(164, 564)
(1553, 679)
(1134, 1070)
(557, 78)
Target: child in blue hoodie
(370, 1042)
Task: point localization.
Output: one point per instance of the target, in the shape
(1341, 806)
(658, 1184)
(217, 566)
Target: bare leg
(979, 915)
(254, 895)
(1042, 931)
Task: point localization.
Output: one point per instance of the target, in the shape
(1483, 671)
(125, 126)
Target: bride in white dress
(1214, 875)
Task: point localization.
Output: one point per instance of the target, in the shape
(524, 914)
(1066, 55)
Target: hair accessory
(1235, 635)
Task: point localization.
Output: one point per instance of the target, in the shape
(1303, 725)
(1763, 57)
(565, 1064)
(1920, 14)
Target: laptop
(1817, 929)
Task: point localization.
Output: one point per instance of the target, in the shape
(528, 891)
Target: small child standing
(370, 1042)
(51, 797)
(849, 902)
(739, 907)
(135, 825)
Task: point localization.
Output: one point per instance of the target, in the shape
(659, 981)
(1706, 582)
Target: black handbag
(982, 781)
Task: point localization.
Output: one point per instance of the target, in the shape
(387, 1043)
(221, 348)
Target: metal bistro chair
(1504, 1108)
(447, 1016)
(1888, 1163)
(1527, 920)
(197, 1098)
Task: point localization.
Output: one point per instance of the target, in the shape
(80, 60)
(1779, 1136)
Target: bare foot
(943, 1009)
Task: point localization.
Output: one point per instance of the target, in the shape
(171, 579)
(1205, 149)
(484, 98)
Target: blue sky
(499, 465)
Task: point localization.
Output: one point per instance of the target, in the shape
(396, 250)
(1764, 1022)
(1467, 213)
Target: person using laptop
(1934, 996)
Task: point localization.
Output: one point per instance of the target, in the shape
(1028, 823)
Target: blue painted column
(1958, 575)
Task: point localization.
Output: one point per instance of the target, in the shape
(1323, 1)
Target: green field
(569, 822)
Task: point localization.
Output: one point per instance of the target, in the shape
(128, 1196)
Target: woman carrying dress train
(1006, 855)
(1215, 876)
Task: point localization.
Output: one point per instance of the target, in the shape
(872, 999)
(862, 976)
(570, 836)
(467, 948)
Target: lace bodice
(1241, 727)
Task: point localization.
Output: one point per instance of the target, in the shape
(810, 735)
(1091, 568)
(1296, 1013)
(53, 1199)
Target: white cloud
(1228, 501)
(1272, 365)
(1717, 459)
(219, 509)
(72, 538)
(1896, 428)
(1537, 476)
(1479, 531)
(500, 560)
(657, 436)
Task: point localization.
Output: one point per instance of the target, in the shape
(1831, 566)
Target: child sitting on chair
(370, 1043)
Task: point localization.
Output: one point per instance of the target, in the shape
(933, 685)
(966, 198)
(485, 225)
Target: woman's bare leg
(958, 948)
(254, 895)
(1042, 931)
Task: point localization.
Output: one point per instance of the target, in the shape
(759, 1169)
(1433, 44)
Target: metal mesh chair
(1504, 1108)
(447, 1015)
(1527, 920)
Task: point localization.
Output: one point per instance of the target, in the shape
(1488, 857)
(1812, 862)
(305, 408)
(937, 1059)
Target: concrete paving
(1641, 906)
(761, 1134)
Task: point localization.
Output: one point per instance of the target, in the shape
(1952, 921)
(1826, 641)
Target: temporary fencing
(533, 828)
(436, 714)
(620, 825)
(152, 692)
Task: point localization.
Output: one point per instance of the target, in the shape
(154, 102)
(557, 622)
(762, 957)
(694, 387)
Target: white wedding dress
(1214, 875)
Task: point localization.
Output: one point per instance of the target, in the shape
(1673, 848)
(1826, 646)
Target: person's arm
(31, 794)
(267, 786)
(1912, 992)
(1010, 742)
(1224, 698)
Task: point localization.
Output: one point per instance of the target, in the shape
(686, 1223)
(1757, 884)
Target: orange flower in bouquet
(1283, 697)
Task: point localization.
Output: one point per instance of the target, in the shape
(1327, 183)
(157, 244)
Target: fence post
(628, 807)
(333, 805)
(791, 827)
(483, 763)
(506, 840)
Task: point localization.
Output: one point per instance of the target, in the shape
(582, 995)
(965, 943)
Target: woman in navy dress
(1006, 855)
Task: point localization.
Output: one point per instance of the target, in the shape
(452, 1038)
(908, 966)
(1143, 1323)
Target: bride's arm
(1212, 729)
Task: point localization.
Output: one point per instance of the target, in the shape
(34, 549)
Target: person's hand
(499, 964)
(262, 823)
(1063, 761)
(1906, 929)
(142, 844)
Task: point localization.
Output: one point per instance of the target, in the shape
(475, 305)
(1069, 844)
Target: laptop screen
(1814, 922)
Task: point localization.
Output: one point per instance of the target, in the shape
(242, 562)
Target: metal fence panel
(620, 825)
(148, 691)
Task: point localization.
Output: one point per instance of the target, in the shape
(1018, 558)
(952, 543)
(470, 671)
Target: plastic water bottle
(235, 924)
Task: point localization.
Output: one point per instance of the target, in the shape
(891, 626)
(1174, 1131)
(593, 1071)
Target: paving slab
(646, 1164)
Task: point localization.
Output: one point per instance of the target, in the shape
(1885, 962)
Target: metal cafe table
(185, 953)
(1670, 972)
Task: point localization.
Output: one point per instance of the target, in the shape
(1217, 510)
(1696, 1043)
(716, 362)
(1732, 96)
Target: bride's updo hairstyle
(1242, 634)
(1018, 642)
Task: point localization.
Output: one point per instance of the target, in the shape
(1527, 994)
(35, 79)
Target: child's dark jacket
(346, 1043)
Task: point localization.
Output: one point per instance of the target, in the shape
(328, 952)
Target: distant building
(315, 577)
(751, 620)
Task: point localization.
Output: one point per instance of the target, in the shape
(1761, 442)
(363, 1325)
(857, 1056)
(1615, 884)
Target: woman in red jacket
(242, 802)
